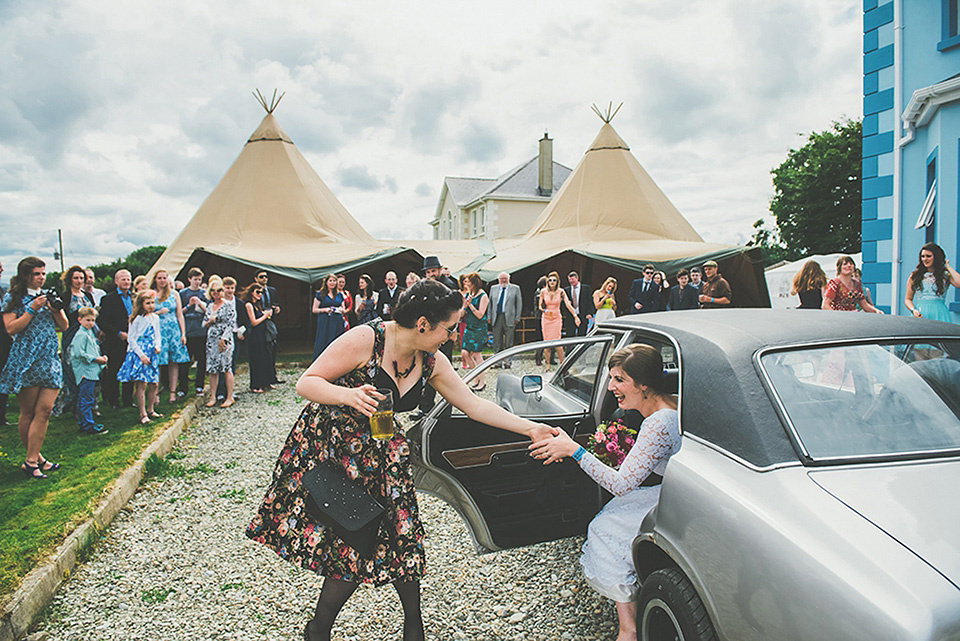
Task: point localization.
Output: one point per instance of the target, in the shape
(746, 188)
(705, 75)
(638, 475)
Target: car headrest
(671, 380)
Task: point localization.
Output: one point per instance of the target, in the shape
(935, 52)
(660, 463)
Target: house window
(950, 25)
(928, 213)
(482, 224)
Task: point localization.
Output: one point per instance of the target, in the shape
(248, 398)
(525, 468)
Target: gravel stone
(175, 564)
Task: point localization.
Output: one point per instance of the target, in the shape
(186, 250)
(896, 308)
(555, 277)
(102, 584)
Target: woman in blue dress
(927, 288)
(173, 330)
(328, 306)
(33, 371)
(475, 303)
(74, 297)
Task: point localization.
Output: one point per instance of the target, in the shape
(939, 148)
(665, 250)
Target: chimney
(545, 183)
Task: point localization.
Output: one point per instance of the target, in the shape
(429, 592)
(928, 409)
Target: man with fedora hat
(432, 269)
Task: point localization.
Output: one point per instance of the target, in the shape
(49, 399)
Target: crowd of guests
(117, 347)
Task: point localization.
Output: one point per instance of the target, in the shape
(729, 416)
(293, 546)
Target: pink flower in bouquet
(611, 447)
(599, 437)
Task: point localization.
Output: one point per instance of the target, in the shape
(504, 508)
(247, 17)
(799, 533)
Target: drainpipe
(897, 152)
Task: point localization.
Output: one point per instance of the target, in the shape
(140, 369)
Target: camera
(53, 299)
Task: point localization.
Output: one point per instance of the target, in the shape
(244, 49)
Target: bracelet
(578, 454)
(31, 311)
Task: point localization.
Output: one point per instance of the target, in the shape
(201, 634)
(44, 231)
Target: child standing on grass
(86, 361)
(143, 348)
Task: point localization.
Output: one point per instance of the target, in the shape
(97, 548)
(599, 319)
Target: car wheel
(669, 609)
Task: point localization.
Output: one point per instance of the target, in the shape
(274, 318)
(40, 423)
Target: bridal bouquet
(611, 442)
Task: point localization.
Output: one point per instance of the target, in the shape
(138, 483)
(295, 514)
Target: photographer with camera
(33, 371)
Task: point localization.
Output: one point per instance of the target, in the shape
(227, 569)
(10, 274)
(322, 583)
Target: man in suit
(270, 301)
(644, 293)
(581, 297)
(114, 320)
(387, 297)
(506, 302)
(683, 295)
(431, 270)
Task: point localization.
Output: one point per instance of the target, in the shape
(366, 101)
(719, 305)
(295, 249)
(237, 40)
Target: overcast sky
(118, 118)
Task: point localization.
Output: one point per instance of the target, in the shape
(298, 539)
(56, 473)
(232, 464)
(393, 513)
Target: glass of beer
(381, 423)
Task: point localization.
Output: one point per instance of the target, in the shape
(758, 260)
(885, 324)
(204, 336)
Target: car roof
(723, 399)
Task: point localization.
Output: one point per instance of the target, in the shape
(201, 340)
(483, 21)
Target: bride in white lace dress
(636, 379)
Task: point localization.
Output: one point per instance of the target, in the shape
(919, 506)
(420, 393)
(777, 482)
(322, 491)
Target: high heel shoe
(32, 471)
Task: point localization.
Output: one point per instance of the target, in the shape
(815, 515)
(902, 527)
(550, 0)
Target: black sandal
(43, 463)
(32, 471)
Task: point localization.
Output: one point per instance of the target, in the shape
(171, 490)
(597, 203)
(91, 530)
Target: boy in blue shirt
(87, 362)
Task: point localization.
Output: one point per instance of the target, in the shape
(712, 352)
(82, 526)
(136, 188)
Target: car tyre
(669, 608)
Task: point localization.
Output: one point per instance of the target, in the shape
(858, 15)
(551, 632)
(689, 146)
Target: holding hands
(555, 447)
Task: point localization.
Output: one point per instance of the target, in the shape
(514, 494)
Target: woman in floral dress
(341, 384)
(927, 288)
(173, 330)
(845, 293)
(33, 371)
(220, 319)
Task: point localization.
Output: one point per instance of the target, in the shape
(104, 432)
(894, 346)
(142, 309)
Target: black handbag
(342, 505)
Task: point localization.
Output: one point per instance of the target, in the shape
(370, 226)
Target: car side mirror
(531, 383)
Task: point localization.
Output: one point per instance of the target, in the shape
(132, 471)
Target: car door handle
(513, 458)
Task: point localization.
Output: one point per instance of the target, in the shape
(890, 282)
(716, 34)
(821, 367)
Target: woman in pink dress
(551, 323)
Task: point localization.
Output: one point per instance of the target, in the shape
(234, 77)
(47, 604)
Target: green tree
(816, 199)
(139, 261)
(768, 240)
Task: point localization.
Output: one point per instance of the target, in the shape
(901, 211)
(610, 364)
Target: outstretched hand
(554, 448)
(542, 432)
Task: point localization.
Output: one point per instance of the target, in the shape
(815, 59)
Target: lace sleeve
(657, 441)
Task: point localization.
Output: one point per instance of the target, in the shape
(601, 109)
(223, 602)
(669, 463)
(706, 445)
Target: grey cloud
(391, 184)
(12, 177)
(482, 143)
(423, 189)
(676, 105)
(358, 177)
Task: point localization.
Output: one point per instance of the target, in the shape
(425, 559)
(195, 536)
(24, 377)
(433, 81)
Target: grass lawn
(36, 515)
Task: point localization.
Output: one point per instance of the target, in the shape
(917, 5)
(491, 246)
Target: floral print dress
(342, 434)
(33, 360)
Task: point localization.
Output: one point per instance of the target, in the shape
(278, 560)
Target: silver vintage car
(815, 494)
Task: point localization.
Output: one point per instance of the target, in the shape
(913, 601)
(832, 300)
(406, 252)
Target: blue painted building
(911, 141)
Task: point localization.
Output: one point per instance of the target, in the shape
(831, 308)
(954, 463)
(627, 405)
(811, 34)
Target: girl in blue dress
(33, 371)
(143, 351)
(173, 329)
(328, 306)
(927, 288)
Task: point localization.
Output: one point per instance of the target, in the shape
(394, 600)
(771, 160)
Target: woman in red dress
(845, 293)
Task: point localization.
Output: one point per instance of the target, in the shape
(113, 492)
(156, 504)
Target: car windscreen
(870, 400)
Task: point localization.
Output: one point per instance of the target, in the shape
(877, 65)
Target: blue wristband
(578, 454)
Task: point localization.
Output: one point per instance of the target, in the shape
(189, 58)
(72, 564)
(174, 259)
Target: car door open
(507, 498)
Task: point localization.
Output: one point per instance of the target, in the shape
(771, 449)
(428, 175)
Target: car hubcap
(658, 623)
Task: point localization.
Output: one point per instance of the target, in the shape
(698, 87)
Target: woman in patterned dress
(637, 381)
(365, 301)
(401, 354)
(173, 329)
(33, 371)
(219, 320)
(475, 304)
(927, 288)
(845, 293)
(74, 297)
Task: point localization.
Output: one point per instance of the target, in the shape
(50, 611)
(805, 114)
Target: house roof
(520, 182)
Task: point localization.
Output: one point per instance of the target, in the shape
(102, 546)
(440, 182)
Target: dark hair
(368, 288)
(67, 277)
(843, 260)
(939, 269)
(473, 280)
(649, 266)
(683, 272)
(261, 271)
(247, 294)
(574, 274)
(542, 282)
(427, 298)
(18, 284)
(194, 271)
(642, 363)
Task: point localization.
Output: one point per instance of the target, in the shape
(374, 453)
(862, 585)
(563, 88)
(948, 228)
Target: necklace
(396, 370)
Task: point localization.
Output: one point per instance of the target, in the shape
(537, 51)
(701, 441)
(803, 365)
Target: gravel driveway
(175, 564)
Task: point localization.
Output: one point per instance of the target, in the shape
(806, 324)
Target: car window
(578, 375)
(870, 400)
(566, 389)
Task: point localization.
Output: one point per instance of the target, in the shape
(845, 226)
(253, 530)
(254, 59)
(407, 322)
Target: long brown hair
(138, 302)
(939, 269)
(67, 279)
(811, 276)
(165, 294)
(18, 284)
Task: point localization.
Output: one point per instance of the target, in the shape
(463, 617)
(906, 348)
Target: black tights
(335, 593)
